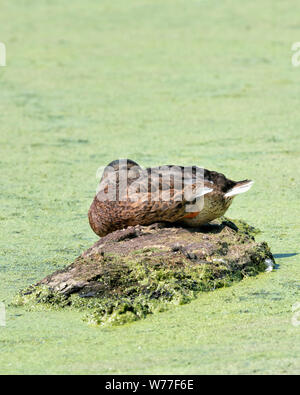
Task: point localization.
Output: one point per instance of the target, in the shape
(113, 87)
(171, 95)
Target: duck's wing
(153, 196)
(188, 183)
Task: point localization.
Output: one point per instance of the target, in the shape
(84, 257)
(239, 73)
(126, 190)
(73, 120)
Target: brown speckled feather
(136, 205)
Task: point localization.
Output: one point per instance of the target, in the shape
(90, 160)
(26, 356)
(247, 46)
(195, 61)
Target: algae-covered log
(142, 269)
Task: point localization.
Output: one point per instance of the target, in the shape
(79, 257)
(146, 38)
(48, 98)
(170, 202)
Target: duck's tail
(240, 187)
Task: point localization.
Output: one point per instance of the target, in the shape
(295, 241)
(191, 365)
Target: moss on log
(141, 270)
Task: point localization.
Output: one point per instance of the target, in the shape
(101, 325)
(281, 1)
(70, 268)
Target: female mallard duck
(129, 195)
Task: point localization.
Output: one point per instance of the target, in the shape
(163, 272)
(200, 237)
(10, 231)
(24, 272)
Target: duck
(130, 195)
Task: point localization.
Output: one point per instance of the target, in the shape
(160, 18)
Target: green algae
(162, 78)
(149, 280)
